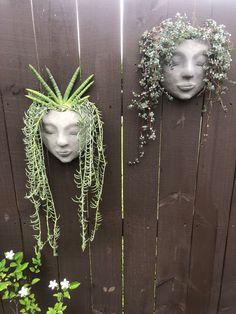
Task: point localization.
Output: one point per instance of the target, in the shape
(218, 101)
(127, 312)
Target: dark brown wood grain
(2, 311)
(204, 216)
(10, 222)
(227, 301)
(16, 52)
(224, 159)
(181, 126)
(99, 24)
(179, 159)
(57, 48)
(179, 202)
(140, 182)
(214, 187)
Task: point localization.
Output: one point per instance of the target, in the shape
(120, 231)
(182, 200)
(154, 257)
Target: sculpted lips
(186, 87)
(64, 153)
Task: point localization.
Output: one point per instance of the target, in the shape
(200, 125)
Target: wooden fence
(170, 246)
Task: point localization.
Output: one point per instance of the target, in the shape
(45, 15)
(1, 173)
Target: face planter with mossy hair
(71, 128)
(180, 61)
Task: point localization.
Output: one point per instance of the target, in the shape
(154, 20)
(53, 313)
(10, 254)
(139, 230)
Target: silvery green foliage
(89, 176)
(157, 47)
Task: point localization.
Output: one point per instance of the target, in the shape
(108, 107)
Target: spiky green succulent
(89, 176)
(54, 99)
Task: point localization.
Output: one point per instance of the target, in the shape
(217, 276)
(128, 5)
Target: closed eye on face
(177, 59)
(200, 61)
(72, 129)
(49, 128)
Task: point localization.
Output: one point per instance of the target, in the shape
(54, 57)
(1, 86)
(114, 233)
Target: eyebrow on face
(195, 56)
(49, 124)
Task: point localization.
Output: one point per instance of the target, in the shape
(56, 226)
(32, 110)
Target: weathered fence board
(223, 172)
(100, 55)
(10, 223)
(57, 48)
(180, 138)
(227, 301)
(181, 126)
(194, 299)
(140, 182)
(17, 50)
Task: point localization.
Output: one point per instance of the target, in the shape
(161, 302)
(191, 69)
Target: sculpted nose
(188, 71)
(62, 140)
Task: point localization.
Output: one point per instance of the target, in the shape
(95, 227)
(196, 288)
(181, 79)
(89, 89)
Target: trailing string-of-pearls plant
(89, 176)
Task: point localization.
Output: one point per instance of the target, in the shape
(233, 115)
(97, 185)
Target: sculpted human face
(60, 134)
(184, 78)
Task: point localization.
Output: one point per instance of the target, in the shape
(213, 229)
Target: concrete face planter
(61, 134)
(183, 78)
(179, 60)
(70, 126)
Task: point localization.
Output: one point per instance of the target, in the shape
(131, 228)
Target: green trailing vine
(89, 176)
(157, 48)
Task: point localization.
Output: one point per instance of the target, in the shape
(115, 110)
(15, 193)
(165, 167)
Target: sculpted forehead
(191, 48)
(62, 119)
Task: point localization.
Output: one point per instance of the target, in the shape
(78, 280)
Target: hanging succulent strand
(89, 176)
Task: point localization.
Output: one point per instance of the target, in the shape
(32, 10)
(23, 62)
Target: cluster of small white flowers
(64, 284)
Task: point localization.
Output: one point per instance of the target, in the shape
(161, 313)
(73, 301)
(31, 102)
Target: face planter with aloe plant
(70, 126)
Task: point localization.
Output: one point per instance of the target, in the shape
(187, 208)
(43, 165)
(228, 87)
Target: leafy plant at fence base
(16, 285)
(89, 176)
(157, 48)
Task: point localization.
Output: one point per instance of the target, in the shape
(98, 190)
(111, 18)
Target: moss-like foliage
(89, 176)
(157, 48)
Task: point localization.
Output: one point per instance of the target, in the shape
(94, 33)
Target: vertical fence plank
(227, 302)
(179, 159)
(181, 126)
(223, 159)
(204, 227)
(57, 48)
(16, 51)
(10, 223)
(99, 24)
(140, 182)
(212, 206)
